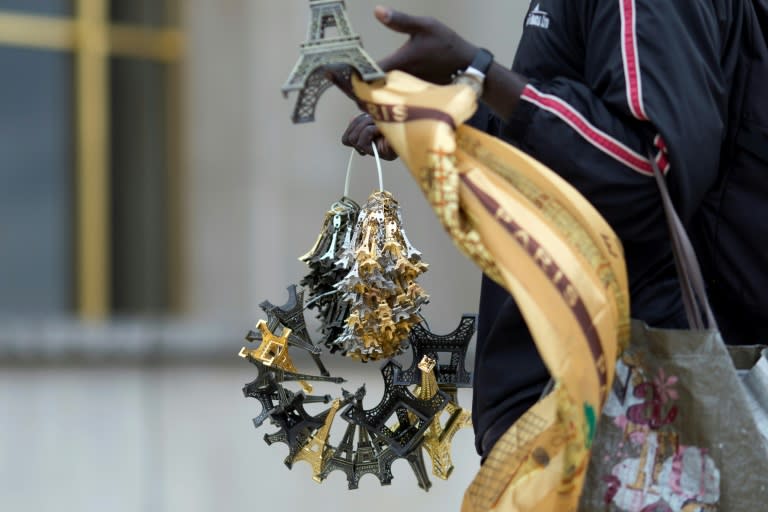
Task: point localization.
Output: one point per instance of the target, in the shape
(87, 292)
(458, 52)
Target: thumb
(398, 21)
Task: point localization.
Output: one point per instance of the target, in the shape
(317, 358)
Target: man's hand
(434, 52)
(361, 132)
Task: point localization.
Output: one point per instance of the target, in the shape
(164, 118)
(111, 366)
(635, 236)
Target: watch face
(474, 81)
(475, 73)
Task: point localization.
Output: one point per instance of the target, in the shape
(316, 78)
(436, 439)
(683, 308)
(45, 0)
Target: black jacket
(610, 80)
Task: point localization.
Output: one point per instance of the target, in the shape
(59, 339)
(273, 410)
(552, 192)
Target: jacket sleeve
(647, 79)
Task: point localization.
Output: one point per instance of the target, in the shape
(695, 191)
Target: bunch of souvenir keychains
(361, 283)
(324, 273)
(363, 277)
(380, 288)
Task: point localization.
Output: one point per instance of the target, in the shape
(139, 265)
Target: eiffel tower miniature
(450, 374)
(414, 415)
(321, 49)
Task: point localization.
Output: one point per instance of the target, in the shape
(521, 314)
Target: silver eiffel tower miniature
(322, 48)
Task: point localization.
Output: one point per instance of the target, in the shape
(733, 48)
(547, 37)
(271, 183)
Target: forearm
(502, 90)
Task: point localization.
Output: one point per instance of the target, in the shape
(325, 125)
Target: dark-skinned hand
(361, 132)
(433, 52)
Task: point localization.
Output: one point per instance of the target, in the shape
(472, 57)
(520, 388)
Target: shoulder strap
(688, 271)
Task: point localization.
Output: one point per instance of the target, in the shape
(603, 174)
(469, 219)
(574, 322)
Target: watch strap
(481, 62)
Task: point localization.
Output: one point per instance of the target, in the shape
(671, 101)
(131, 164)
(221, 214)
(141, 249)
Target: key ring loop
(378, 169)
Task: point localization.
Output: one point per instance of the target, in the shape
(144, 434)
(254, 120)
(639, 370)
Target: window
(88, 156)
(36, 168)
(51, 7)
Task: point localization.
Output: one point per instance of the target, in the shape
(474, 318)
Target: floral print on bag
(654, 472)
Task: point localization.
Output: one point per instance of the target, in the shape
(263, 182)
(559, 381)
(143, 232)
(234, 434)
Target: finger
(356, 136)
(366, 137)
(399, 21)
(353, 128)
(361, 124)
(385, 150)
(393, 61)
(341, 76)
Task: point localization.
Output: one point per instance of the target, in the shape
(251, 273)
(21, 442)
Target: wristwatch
(474, 75)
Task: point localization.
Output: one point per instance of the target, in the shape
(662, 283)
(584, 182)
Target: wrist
(475, 72)
(465, 56)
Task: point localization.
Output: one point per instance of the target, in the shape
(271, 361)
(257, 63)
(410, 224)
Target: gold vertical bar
(93, 212)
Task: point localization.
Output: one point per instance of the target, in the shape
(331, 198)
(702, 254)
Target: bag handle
(692, 286)
(688, 269)
(378, 169)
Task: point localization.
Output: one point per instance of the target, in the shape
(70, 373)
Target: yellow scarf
(533, 233)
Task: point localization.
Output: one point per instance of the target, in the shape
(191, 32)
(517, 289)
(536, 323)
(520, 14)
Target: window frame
(93, 39)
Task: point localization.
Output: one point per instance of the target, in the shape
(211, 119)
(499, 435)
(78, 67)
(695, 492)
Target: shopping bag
(679, 431)
(751, 362)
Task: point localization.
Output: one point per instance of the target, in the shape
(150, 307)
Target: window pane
(139, 187)
(36, 169)
(140, 12)
(56, 7)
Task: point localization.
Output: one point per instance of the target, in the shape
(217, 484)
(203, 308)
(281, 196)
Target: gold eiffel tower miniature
(428, 387)
(273, 351)
(438, 438)
(322, 48)
(316, 451)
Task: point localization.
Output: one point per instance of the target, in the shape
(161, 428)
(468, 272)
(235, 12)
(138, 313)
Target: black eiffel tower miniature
(267, 373)
(291, 315)
(414, 415)
(296, 424)
(272, 393)
(450, 374)
(322, 48)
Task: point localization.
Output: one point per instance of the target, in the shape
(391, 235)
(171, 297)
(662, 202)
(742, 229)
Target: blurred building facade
(153, 191)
